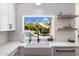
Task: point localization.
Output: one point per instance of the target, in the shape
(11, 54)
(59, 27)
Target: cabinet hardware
(10, 26)
(65, 50)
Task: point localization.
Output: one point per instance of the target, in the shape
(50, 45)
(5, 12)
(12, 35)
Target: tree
(36, 27)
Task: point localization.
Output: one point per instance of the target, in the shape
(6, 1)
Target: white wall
(32, 9)
(77, 19)
(3, 37)
(64, 35)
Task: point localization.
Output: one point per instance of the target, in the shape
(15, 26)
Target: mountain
(44, 25)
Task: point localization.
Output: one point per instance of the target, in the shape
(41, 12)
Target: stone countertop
(9, 47)
(64, 44)
(57, 44)
(51, 44)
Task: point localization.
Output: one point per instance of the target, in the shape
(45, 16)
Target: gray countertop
(8, 48)
(55, 44)
(64, 44)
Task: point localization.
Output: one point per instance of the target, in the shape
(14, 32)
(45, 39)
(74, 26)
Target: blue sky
(37, 19)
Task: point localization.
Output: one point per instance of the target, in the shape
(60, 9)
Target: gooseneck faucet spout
(30, 38)
(38, 36)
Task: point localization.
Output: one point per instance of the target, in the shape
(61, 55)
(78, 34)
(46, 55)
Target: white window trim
(53, 17)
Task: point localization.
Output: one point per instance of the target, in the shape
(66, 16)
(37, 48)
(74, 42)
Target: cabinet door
(11, 17)
(21, 51)
(4, 17)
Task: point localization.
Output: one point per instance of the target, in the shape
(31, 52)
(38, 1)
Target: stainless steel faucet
(30, 38)
(38, 36)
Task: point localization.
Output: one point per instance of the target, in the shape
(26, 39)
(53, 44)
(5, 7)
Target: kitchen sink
(38, 45)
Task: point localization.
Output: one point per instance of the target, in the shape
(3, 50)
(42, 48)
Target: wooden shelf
(66, 16)
(67, 29)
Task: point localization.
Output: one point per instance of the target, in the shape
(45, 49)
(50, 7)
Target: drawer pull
(65, 50)
(10, 26)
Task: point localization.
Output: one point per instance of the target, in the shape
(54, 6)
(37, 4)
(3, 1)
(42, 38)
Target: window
(34, 25)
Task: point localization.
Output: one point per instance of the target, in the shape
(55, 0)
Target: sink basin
(35, 44)
(37, 49)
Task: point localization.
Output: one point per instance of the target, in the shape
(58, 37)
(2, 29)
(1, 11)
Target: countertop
(51, 44)
(57, 44)
(9, 47)
(64, 44)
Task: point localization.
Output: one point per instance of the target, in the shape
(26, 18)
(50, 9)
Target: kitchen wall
(64, 35)
(32, 9)
(77, 22)
(3, 37)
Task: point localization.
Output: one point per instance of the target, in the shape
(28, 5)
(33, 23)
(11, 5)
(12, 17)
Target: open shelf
(67, 29)
(66, 16)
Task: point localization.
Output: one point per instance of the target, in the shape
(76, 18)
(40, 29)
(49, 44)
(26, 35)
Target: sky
(37, 19)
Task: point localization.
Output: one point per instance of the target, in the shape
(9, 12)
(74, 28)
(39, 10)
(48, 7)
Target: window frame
(53, 17)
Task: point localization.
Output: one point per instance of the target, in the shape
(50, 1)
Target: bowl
(71, 41)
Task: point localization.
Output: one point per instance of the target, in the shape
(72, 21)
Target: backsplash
(3, 37)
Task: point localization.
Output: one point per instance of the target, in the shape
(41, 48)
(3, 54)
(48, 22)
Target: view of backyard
(37, 25)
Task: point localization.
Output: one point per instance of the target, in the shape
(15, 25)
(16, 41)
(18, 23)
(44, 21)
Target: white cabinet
(7, 17)
(11, 17)
(37, 51)
(21, 51)
(3, 17)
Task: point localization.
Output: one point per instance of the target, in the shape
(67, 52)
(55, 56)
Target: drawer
(64, 51)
